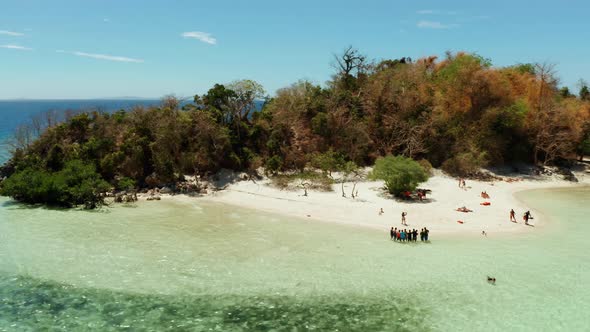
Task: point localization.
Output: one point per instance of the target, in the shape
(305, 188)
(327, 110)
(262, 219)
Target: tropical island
(450, 117)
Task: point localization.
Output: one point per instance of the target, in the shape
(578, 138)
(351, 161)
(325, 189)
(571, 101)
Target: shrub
(426, 165)
(313, 180)
(465, 164)
(399, 173)
(273, 164)
(76, 184)
(328, 162)
(126, 183)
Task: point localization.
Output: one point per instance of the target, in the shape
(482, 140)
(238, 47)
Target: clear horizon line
(82, 98)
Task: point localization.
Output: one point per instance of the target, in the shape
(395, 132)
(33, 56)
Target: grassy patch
(311, 179)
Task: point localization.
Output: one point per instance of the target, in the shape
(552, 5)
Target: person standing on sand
(404, 214)
(526, 217)
(463, 183)
(512, 215)
(460, 182)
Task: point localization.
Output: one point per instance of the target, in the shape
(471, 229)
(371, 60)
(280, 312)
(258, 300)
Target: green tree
(399, 173)
(76, 184)
(328, 161)
(584, 92)
(274, 164)
(217, 103)
(126, 183)
(565, 92)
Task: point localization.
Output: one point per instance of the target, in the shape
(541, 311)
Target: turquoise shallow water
(197, 266)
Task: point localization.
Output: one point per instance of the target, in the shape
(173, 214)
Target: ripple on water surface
(170, 265)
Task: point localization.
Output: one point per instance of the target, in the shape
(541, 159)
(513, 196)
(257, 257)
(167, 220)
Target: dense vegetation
(459, 113)
(76, 184)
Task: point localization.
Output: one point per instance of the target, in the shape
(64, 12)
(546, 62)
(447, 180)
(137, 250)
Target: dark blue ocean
(14, 113)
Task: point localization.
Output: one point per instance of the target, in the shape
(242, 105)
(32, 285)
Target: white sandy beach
(437, 212)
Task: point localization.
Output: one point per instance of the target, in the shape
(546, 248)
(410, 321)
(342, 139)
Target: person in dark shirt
(527, 216)
(392, 233)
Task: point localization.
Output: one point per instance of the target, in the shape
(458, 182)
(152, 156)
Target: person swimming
(492, 280)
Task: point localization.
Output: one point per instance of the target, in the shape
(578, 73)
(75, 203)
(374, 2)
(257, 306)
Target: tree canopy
(399, 173)
(459, 112)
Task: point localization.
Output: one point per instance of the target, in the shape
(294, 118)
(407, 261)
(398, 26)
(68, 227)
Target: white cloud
(425, 11)
(434, 25)
(205, 37)
(103, 56)
(11, 33)
(16, 47)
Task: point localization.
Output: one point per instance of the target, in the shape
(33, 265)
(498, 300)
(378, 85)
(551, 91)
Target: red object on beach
(486, 203)
(459, 221)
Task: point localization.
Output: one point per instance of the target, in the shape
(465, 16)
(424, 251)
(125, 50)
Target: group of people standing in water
(408, 235)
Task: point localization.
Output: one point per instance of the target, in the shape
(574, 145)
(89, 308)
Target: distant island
(458, 113)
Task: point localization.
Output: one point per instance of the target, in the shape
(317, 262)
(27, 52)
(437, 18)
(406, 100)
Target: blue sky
(113, 48)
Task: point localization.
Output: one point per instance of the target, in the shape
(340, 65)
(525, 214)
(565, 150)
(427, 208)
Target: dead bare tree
(170, 102)
(350, 60)
(22, 138)
(546, 75)
(554, 134)
(405, 137)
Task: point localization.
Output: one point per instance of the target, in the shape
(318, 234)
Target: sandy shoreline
(437, 212)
